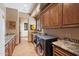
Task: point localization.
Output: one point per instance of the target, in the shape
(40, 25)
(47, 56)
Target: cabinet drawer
(61, 52)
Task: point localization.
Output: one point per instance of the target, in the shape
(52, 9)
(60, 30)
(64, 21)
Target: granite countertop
(67, 45)
(43, 36)
(8, 38)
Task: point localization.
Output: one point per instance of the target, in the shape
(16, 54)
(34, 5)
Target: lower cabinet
(14, 43)
(9, 47)
(6, 50)
(57, 51)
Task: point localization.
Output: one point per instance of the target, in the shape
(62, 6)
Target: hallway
(24, 49)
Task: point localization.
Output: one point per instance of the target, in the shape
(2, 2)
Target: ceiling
(22, 7)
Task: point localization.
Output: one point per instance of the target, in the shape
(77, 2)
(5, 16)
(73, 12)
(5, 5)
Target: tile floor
(24, 49)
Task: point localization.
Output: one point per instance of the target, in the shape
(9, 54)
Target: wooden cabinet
(61, 15)
(30, 35)
(6, 50)
(46, 19)
(57, 51)
(9, 47)
(55, 15)
(14, 42)
(52, 16)
(71, 14)
(41, 20)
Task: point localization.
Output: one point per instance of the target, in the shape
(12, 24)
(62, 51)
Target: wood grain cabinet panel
(46, 19)
(61, 15)
(55, 15)
(6, 50)
(57, 51)
(41, 20)
(13, 42)
(10, 48)
(71, 14)
(52, 16)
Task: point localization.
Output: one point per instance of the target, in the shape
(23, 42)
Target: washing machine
(44, 45)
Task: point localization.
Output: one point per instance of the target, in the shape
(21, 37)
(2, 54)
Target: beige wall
(66, 32)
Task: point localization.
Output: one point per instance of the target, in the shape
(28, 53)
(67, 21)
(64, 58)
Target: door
(46, 19)
(10, 48)
(6, 50)
(70, 14)
(55, 15)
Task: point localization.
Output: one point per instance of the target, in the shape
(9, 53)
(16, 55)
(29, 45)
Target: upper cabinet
(52, 16)
(41, 20)
(60, 15)
(55, 15)
(70, 14)
(46, 19)
(11, 19)
(11, 14)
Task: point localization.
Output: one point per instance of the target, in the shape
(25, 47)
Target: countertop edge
(6, 42)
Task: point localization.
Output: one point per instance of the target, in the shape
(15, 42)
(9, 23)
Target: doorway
(23, 27)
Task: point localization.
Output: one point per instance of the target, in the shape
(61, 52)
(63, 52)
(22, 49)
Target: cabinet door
(10, 48)
(6, 50)
(46, 19)
(70, 14)
(13, 43)
(41, 20)
(55, 15)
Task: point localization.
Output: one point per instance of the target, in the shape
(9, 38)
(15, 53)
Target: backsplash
(72, 33)
(71, 40)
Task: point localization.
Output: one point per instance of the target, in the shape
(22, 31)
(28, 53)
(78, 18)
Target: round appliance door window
(39, 50)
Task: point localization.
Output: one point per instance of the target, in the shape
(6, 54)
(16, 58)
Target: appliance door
(34, 40)
(40, 47)
(40, 50)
